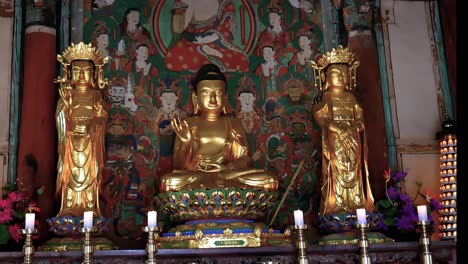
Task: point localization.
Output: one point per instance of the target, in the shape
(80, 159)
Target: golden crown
(339, 55)
(82, 51)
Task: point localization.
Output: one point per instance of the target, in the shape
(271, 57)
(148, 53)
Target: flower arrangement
(399, 209)
(13, 208)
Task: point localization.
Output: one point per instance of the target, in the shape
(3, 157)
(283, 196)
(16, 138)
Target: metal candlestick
(425, 243)
(151, 248)
(301, 244)
(88, 249)
(28, 248)
(364, 257)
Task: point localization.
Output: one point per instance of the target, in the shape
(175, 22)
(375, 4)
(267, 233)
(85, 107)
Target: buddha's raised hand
(182, 129)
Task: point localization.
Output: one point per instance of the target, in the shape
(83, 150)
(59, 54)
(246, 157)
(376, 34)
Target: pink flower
(5, 215)
(4, 203)
(14, 232)
(15, 197)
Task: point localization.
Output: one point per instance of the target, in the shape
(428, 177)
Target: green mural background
(155, 49)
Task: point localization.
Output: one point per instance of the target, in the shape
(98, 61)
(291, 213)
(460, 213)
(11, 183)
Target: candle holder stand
(425, 243)
(301, 244)
(28, 248)
(88, 249)
(363, 243)
(151, 247)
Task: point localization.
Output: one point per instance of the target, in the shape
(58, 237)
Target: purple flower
(435, 205)
(399, 176)
(393, 193)
(408, 209)
(406, 222)
(405, 199)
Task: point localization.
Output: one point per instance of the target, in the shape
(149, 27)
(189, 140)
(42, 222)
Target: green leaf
(385, 203)
(389, 221)
(4, 234)
(391, 211)
(20, 214)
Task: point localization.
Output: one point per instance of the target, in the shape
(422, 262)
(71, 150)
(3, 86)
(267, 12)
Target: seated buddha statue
(210, 149)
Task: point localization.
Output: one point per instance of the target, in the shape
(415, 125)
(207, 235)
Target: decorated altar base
(221, 233)
(341, 229)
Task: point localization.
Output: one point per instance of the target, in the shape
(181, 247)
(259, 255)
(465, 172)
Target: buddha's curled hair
(208, 72)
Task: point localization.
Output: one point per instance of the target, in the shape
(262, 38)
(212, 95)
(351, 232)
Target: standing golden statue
(345, 175)
(211, 149)
(81, 117)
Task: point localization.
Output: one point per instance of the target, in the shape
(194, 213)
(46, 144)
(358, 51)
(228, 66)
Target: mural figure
(133, 34)
(145, 115)
(206, 28)
(276, 34)
(345, 174)
(120, 146)
(144, 162)
(270, 70)
(101, 41)
(301, 58)
(250, 119)
(169, 97)
(117, 92)
(144, 71)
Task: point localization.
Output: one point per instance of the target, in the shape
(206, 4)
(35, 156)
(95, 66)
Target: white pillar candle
(361, 216)
(29, 221)
(298, 218)
(88, 219)
(152, 218)
(422, 213)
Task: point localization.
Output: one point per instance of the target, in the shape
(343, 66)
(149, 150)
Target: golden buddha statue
(81, 117)
(210, 150)
(345, 175)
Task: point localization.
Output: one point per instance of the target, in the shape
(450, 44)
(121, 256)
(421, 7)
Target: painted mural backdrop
(155, 48)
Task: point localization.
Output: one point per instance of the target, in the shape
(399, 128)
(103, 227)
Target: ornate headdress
(275, 7)
(87, 52)
(339, 55)
(169, 85)
(99, 28)
(118, 81)
(304, 31)
(293, 83)
(82, 51)
(246, 84)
